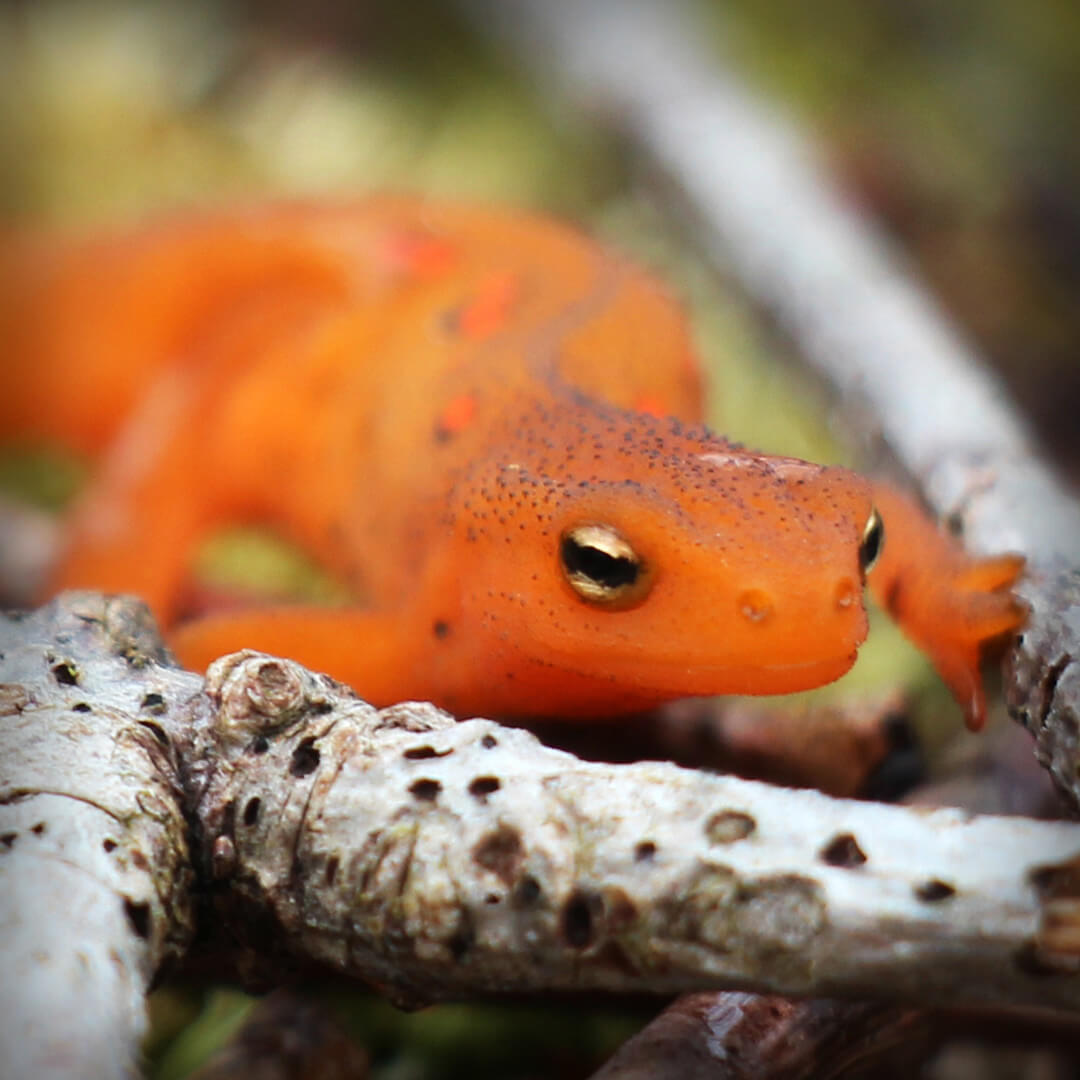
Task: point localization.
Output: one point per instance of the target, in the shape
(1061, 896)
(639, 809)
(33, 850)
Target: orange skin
(426, 397)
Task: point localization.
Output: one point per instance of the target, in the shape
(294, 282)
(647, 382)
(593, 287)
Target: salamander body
(485, 424)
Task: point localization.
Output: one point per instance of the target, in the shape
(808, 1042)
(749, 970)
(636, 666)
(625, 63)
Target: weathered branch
(763, 207)
(95, 872)
(729, 1035)
(739, 1036)
(439, 860)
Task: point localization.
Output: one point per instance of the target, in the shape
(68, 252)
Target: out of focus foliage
(955, 123)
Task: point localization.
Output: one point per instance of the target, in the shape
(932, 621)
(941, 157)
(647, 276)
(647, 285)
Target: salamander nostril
(754, 605)
(846, 594)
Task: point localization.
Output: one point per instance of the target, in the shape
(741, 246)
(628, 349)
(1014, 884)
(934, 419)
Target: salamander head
(655, 563)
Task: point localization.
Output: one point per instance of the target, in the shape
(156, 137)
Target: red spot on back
(490, 307)
(418, 254)
(650, 404)
(457, 415)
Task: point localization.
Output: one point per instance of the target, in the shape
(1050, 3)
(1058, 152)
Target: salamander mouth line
(840, 661)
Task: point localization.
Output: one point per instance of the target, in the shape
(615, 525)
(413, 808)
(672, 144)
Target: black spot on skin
(489, 742)
(38, 829)
(8, 839)
(108, 845)
(425, 790)
(251, 811)
(81, 706)
(260, 745)
(440, 628)
(843, 850)
(305, 759)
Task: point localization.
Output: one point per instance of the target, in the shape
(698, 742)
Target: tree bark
(437, 860)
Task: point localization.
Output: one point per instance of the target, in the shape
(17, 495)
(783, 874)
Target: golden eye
(602, 567)
(873, 539)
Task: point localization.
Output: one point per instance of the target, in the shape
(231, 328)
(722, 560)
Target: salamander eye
(873, 539)
(602, 567)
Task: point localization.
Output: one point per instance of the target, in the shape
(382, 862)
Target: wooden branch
(440, 860)
(1043, 679)
(739, 1036)
(763, 207)
(95, 872)
(730, 1034)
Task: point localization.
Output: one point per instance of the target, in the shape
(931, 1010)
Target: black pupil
(611, 571)
(871, 545)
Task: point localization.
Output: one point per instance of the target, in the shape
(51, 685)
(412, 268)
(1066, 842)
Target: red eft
(488, 426)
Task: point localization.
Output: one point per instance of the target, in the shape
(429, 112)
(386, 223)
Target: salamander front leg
(135, 527)
(372, 652)
(948, 602)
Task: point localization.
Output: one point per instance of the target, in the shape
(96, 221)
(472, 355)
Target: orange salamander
(485, 424)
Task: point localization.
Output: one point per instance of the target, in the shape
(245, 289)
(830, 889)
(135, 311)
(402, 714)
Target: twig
(763, 207)
(94, 867)
(729, 1035)
(442, 860)
(739, 1036)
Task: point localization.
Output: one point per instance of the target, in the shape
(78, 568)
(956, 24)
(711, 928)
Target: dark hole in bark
(577, 919)
(729, 826)
(65, 673)
(155, 730)
(425, 790)
(422, 753)
(843, 850)
(138, 915)
(153, 703)
(932, 891)
(483, 786)
(527, 892)
(305, 759)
